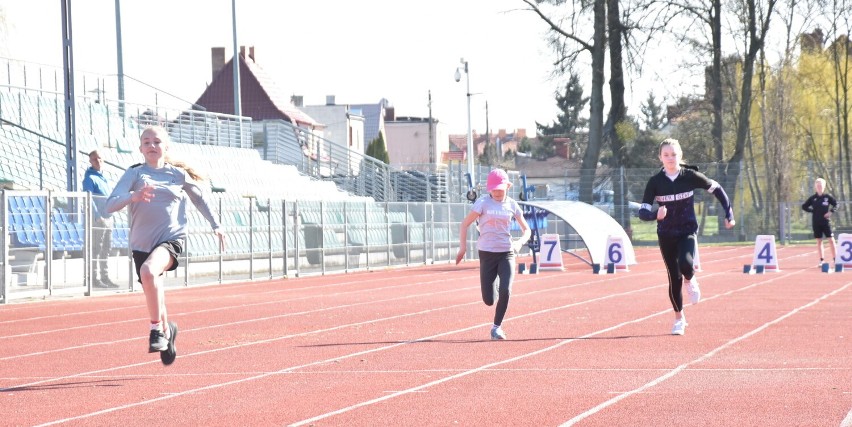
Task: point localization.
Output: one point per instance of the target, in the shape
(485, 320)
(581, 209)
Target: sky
(357, 51)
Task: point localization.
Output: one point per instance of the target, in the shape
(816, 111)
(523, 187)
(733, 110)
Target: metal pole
(236, 63)
(470, 152)
(119, 56)
(70, 118)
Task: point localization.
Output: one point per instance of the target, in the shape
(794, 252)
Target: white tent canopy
(593, 226)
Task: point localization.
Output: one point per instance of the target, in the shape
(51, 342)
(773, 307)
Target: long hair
(676, 145)
(164, 136)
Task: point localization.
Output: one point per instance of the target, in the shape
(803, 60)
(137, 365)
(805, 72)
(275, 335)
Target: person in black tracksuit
(672, 188)
(822, 205)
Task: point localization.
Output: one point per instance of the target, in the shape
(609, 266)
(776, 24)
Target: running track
(410, 347)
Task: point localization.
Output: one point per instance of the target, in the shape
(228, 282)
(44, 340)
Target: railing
(30, 97)
(265, 239)
(114, 124)
(353, 172)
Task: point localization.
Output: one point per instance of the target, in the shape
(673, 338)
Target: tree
(569, 43)
(570, 104)
(754, 19)
(489, 154)
(821, 111)
(377, 150)
(643, 150)
(653, 115)
(525, 146)
(617, 130)
(754, 29)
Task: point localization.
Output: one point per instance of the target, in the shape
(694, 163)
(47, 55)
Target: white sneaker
(497, 333)
(693, 290)
(679, 326)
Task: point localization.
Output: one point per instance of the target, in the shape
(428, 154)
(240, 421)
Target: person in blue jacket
(96, 183)
(673, 190)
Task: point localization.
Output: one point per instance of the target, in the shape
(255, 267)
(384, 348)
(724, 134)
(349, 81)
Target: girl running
(156, 192)
(497, 249)
(672, 189)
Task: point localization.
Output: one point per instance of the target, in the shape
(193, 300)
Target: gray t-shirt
(164, 217)
(495, 222)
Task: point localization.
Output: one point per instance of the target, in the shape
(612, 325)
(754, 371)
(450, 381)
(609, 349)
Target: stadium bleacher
(269, 210)
(239, 171)
(31, 131)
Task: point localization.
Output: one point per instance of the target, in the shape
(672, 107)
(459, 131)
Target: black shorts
(822, 230)
(174, 247)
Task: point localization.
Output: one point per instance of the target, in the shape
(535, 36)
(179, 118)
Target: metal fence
(271, 238)
(47, 241)
(758, 207)
(404, 217)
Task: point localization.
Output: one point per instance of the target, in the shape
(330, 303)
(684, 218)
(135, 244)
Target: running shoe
(679, 327)
(109, 283)
(693, 290)
(168, 356)
(157, 341)
(497, 333)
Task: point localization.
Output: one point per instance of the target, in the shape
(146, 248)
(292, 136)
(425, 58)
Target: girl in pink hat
(496, 246)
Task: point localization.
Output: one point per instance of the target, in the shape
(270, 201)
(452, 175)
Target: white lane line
(318, 331)
(703, 358)
(847, 422)
(291, 314)
(221, 308)
(350, 355)
(286, 370)
(560, 344)
(331, 360)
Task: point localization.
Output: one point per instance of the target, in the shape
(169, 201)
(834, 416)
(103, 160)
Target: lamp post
(470, 153)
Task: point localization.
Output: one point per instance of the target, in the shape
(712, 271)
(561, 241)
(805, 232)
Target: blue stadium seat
(120, 237)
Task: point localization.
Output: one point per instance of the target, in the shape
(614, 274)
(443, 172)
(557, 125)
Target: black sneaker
(99, 284)
(168, 356)
(157, 341)
(109, 283)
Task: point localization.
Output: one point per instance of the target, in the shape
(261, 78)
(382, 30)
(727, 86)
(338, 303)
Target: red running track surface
(411, 347)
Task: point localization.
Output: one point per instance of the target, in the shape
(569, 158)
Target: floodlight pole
(70, 120)
(236, 63)
(119, 58)
(470, 152)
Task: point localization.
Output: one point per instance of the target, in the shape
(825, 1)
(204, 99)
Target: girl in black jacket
(672, 188)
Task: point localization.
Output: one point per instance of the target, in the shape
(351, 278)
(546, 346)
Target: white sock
(166, 331)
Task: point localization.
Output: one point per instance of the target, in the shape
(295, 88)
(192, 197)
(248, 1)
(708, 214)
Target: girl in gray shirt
(156, 192)
(494, 212)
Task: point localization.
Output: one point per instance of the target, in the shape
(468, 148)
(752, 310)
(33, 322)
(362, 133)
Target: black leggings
(494, 266)
(678, 253)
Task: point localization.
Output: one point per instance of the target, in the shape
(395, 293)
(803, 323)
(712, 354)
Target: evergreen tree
(377, 150)
(571, 104)
(525, 146)
(653, 114)
(489, 155)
